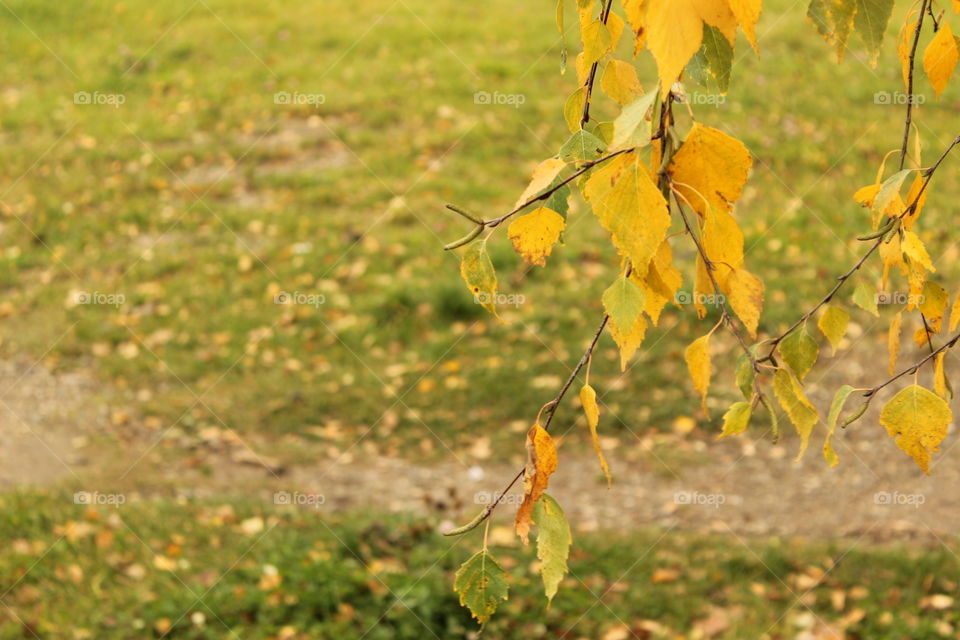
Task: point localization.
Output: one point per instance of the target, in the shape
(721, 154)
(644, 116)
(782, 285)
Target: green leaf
(799, 351)
(835, 408)
(623, 301)
(482, 584)
(582, 145)
(745, 376)
(871, 22)
(736, 419)
(865, 297)
(627, 130)
(714, 60)
(834, 20)
(553, 543)
(889, 190)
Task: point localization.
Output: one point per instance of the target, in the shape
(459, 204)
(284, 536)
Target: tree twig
(591, 76)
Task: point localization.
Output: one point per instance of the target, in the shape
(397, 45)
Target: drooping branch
(879, 239)
(913, 54)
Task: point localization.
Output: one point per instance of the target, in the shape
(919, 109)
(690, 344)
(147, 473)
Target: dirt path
(745, 485)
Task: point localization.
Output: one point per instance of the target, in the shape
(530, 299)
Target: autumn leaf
(747, 12)
(553, 543)
(541, 463)
(674, 32)
(940, 58)
(746, 298)
(941, 385)
(833, 324)
(542, 177)
(865, 297)
(736, 419)
(629, 341)
(477, 271)
(918, 419)
(630, 206)
(839, 400)
(794, 401)
(623, 301)
(723, 244)
(799, 351)
(535, 233)
(482, 585)
(588, 398)
(697, 356)
(893, 340)
(710, 168)
(620, 82)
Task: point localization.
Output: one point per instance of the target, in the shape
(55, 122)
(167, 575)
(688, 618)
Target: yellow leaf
(893, 340)
(914, 249)
(541, 463)
(711, 166)
(918, 419)
(746, 298)
(628, 342)
(736, 419)
(697, 356)
(940, 377)
(916, 194)
(615, 26)
(674, 33)
(620, 82)
(535, 233)
(717, 13)
(630, 206)
(588, 398)
(636, 12)
(660, 284)
(940, 58)
(865, 195)
(596, 41)
(702, 287)
(833, 324)
(477, 271)
(955, 314)
(543, 176)
(573, 110)
(903, 49)
(747, 13)
(934, 303)
(723, 244)
(794, 401)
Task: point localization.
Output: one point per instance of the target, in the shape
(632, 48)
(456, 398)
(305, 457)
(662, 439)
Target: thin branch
(870, 393)
(591, 76)
(913, 55)
(910, 208)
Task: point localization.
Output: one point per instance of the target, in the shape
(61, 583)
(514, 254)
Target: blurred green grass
(250, 569)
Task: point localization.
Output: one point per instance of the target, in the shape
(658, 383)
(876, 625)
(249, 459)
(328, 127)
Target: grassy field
(199, 199)
(243, 570)
(171, 168)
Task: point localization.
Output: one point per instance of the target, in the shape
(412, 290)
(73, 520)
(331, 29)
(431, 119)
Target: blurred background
(243, 389)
